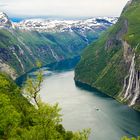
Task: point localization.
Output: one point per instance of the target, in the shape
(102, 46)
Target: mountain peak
(4, 20)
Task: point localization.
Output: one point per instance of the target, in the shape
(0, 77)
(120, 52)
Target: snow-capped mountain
(42, 25)
(45, 25)
(4, 20)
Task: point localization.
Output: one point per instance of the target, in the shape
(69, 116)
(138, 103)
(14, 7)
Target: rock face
(112, 64)
(22, 44)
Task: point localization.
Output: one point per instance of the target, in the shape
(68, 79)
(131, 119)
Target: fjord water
(107, 118)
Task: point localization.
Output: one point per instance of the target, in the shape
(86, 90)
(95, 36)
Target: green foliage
(19, 120)
(132, 14)
(82, 135)
(99, 66)
(13, 108)
(32, 87)
(9, 117)
(126, 138)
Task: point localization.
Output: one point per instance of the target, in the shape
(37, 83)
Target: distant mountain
(112, 64)
(23, 43)
(42, 25)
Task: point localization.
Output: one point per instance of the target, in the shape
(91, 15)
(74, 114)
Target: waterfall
(132, 92)
(131, 78)
(137, 90)
(27, 48)
(86, 39)
(19, 61)
(124, 87)
(53, 54)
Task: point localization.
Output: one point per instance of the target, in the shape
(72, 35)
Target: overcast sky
(67, 8)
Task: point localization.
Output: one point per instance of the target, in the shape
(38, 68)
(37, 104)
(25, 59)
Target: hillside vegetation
(21, 49)
(20, 120)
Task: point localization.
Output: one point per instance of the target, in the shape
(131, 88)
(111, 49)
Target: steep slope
(21, 46)
(112, 63)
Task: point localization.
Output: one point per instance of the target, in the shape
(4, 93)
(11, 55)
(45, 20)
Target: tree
(33, 85)
(9, 118)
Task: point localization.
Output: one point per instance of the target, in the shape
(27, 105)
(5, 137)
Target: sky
(66, 8)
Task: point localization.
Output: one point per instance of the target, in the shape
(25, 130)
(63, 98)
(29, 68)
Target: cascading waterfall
(86, 39)
(137, 90)
(19, 61)
(124, 88)
(131, 78)
(53, 54)
(27, 48)
(132, 89)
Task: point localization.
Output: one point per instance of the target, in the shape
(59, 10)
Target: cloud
(64, 7)
(3, 5)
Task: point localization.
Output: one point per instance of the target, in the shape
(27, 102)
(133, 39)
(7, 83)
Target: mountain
(4, 20)
(24, 43)
(93, 24)
(112, 64)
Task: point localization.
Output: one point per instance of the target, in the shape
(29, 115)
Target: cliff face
(112, 63)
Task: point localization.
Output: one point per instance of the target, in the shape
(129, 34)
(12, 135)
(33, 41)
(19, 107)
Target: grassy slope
(102, 67)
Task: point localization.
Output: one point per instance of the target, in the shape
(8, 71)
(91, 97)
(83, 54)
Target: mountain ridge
(66, 25)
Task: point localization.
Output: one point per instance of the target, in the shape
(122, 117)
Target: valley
(49, 41)
(70, 76)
